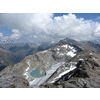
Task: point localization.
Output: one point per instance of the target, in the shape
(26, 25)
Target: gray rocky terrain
(13, 80)
(85, 72)
(67, 64)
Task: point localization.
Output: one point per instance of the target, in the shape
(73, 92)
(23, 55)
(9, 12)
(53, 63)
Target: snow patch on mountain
(81, 59)
(28, 63)
(27, 69)
(72, 67)
(58, 49)
(70, 53)
(44, 51)
(26, 74)
(61, 54)
(65, 46)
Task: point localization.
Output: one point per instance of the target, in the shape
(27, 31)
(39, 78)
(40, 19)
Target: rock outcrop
(13, 80)
(85, 75)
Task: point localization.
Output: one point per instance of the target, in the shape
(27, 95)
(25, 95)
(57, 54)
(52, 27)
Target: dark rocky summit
(86, 74)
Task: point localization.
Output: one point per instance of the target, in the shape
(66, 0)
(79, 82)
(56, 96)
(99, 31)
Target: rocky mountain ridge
(67, 60)
(11, 54)
(44, 59)
(84, 72)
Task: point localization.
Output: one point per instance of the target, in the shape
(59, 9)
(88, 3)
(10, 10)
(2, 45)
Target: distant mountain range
(96, 41)
(14, 53)
(68, 63)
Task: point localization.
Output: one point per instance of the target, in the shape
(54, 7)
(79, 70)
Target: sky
(42, 27)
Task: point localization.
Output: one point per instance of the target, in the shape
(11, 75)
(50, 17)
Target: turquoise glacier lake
(36, 73)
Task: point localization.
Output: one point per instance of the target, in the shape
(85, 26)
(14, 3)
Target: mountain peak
(57, 64)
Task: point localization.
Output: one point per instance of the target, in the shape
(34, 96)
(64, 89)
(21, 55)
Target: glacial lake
(36, 73)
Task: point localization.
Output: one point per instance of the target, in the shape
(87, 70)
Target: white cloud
(15, 36)
(25, 22)
(15, 31)
(98, 17)
(43, 27)
(5, 38)
(1, 34)
(35, 36)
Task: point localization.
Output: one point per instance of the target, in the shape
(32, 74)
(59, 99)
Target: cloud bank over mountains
(37, 27)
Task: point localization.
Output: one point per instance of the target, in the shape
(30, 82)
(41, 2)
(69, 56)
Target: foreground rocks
(82, 71)
(13, 80)
(86, 74)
